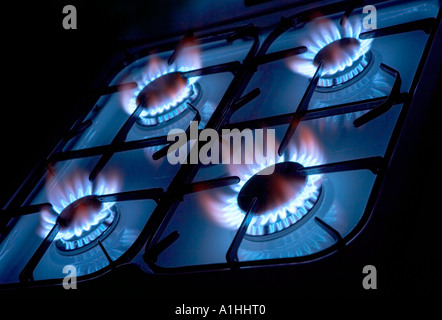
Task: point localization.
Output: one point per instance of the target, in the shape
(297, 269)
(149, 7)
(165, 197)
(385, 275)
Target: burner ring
(283, 190)
(147, 122)
(343, 60)
(321, 199)
(90, 237)
(348, 76)
(164, 98)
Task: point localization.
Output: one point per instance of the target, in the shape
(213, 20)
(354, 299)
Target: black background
(48, 69)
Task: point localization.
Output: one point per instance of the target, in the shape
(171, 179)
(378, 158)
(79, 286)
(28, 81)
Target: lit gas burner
(284, 197)
(272, 191)
(344, 55)
(163, 91)
(82, 217)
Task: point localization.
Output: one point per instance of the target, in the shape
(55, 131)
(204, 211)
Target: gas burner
(278, 211)
(164, 90)
(284, 197)
(344, 55)
(165, 98)
(282, 190)
(274, 190)
(90, 221)
(83, 219)
(337, 79)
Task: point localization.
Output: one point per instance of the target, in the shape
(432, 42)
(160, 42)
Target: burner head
(79, 212)
(344, 54)
(347, 76)
(164, 98)
(337, 53)
(272, 191)
(85, 221)
(339, 66)
(164, 90)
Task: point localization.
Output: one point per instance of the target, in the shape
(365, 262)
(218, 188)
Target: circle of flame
(187, 59)
(323, 32)
(61, 194)
(222, 206)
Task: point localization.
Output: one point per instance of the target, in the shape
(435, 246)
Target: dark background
(49, 69)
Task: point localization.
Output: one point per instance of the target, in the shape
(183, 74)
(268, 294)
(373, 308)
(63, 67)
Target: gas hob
(335, 96)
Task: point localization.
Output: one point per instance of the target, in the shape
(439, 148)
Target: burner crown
(80, 211)
(273, 191)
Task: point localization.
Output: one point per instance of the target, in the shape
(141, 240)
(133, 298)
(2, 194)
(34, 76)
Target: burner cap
(84, 222)
(80, 211)
(337, 54)
(162, 91)
(272, 191)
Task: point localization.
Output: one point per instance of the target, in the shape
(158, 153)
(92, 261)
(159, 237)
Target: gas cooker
(107, 198)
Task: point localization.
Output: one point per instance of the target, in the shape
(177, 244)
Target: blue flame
(62, 194)
(224, 209)
(161, 109)
(155, 69)
(324, 32)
